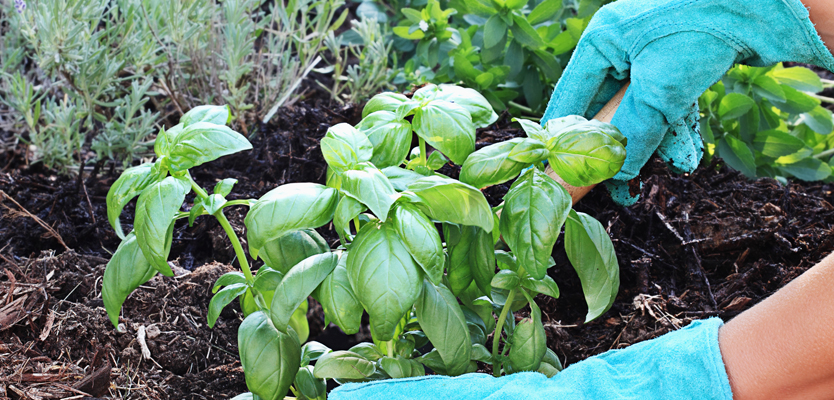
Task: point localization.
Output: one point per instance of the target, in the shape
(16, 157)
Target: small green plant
(420, 285)
(767, 122)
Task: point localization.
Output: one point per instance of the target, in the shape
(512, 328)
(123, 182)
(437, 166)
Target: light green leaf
(592, 255)
(819, 120)
(125, 271)
(390, 136)
(421, 238)
(338, 299)
(384, 277)
(162, 144)
(298, 283)
(348, 209)
(400, 367)
(492, 165)
(546, 286)
(448, 200)
(529, 151)
(470, 99)
(809, 169)
(494, 31)
(343, 365)
(293, 247)
(587, 153)
(386, 101)
(544, 11)
(202, 142)
(737, 155)
(767, 87)
(529, 342)
(287, 208)
(534, 211)
(370, 187)
(773, 143)
(524, 33)
(799, 78)
(222, 299)
(310, 386)
(218, 115)
(343, 147)
(447, 127)
(154, 222)
(443, 322)
(734, 105)
(228, 279)
(796, 102)
(129, 185)
(400, 178)
(506, 279)
(269, 377)
(225, 186)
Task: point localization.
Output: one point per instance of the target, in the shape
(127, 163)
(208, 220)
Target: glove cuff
(816, 52)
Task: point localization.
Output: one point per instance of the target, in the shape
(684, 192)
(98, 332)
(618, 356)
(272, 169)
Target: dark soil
(707, 244)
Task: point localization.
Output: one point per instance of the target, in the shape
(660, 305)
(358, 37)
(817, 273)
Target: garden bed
(708, 244)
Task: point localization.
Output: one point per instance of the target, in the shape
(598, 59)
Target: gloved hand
(673, 50)
(685, 364)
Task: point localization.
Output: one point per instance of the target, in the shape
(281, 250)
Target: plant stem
(241, 202)
(391, 348)
(496, 337)
(356, 224)
(201, 193)
(821, 98)
(824, 153)
(241, 256)
(423, 151)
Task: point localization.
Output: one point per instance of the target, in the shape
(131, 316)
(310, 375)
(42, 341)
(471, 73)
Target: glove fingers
(624, 193)
(682, 148)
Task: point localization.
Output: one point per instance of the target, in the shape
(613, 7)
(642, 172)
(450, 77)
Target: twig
(53, 232)
(89, 203)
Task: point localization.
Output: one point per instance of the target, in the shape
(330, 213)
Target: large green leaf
(586, 154)
(478, 106)
(592, 255)
(308, 385)
(443, 322)
(400, 178)
(348, 209)
(796, 102)
(287, 208)
(809, 169)
(534, 211)
(154, 223)
(524, 33)
(370, 187)
(390, 136)
(218, 115)
(448, 200)
(343, 147)
(343, 365)
(283, 253)
(495, 30)
(736, 153)
(298, 283)
(270, 359)
(338, 299)
(125, 271)
(447, 127)
(544, 11)
(529, 342)
(387, 101)
(202, 142)
(492, 165)
(129, 185)
(773, 143)
(383, 275)
(220, 300)
(399, 367)
(421, 238)
(798, 78)
(162, 144)
(734, 105)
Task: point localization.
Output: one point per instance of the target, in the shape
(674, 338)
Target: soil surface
(707, 244)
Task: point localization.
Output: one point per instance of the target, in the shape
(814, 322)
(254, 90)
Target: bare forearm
(822, 15)
(783, 348)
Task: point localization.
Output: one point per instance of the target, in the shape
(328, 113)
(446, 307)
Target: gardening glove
(685, 364)
(674, 50)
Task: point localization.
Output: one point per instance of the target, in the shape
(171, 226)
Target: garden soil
(695, 246)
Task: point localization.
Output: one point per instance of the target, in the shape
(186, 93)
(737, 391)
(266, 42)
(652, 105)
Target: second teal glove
(673, 50)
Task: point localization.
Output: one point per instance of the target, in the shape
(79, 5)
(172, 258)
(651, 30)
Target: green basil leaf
(809, 169)
(492, 165)
(400, 178)
(505, 279)
(385, 278)
(592, 255)
(298, 283)
(400, 367)
(213, 203)
(524, 33)
(447, 127)
(529, 151)
(554, 127)
(308, 385)
(735, 105)
(202, 142)
(586, 154)
(434, 361)
(162, 144)
(154, 222)
(436, 160)
(534, 211)
(448, 200)
(367, 350)
(421, 238)
(227, 279)
(442, 320)
(298, 322)
(129, 185)
(798, 78)
(245, 396)
(218, 115)
(268, 377)
(266, 280)
(458, 242)
(474, 102)
(551, 359)
(287, 208)
(339, 301)
(546, 286)
(312, 351)
(390, 136)
(222, 299)
(195, 211)
(343, 365)
(532, 129)
(225, 186)
(292, 248)
(370, 187)
(125, 271)
(494, 31)
(348, 209)
(387, 101)
(529, 342)
(544, 11)
(343, 147)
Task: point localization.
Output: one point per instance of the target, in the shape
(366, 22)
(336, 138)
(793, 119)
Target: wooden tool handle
(604, 115)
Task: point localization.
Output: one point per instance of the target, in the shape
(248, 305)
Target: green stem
(824, 153)
(821, 98)
(496, 337)
(391, 348)
(357, 224)
(423, 152)
(201, 193)
(241, 202)
(241, 256)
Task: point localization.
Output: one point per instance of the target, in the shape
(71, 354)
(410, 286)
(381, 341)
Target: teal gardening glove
(673, 50)
(685, 364)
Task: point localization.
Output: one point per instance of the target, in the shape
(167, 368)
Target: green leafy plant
(768, 122)
(420, 285)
